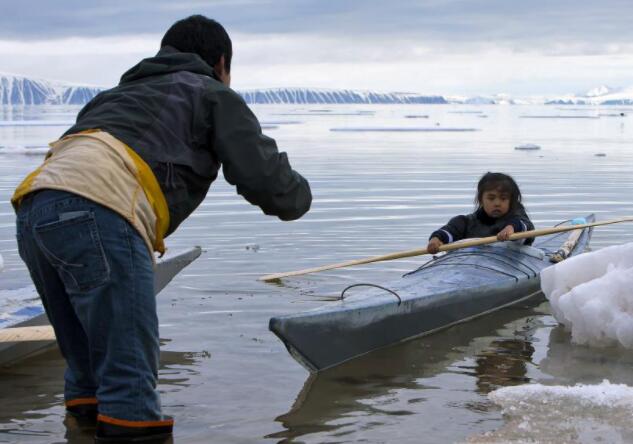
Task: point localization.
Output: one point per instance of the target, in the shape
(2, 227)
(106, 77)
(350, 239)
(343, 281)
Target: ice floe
(19, 149)
(403, 130)
(559, 117)
(527, 147)
(280, 122)
(538, 413)
(68, 123)
(591, 295)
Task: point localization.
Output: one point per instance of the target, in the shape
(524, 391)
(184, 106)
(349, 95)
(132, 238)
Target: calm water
(227, 379)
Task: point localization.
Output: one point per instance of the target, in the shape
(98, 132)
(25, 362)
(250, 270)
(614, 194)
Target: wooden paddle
(445, 247)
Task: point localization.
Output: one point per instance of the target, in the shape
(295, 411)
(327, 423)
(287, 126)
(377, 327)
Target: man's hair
(200, 35)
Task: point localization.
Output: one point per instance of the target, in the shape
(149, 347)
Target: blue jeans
(95, 277)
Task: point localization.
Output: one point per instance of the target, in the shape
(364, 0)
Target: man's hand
(434, 245)
(504, 234)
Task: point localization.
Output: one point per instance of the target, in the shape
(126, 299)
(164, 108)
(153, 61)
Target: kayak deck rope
(492, 255)
(483, 267)
(371, 285)
(513, 262)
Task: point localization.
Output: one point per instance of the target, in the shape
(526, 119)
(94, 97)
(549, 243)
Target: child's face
(496, 203)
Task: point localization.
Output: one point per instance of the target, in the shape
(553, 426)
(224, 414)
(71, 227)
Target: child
(499, 212)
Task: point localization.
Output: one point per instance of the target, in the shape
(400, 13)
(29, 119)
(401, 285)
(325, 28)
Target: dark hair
(200, 35)
(503, 183)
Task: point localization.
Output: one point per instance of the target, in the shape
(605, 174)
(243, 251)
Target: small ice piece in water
(590, 294)
(562, 414)
(527, 147)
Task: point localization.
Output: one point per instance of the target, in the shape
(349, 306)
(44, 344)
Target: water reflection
(35, 397)
(567, 417)
(339, 396)
(503, 363)
(571, 364)
(372, 196)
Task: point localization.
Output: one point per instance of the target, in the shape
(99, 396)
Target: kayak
(449, 289)
(30, 313)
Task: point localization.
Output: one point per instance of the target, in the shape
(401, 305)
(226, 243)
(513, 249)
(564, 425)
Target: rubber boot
(85, 413)
(111, 430)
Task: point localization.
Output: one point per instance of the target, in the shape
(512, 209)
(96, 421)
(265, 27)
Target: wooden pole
(445, 247)
(23, 334)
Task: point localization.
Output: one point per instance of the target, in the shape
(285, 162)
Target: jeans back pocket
(73, 247)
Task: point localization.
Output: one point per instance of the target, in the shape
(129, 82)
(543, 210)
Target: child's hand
(504, 234)
(434, 245)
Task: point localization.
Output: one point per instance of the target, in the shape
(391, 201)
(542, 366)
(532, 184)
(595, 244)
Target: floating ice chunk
(559, 117)
(19, 149)
(37, 123)
(563, 414)
(280, 122)
(403, 129)
(527, 147)
(591, 295)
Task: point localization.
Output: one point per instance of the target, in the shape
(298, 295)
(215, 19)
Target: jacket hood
(166, 61)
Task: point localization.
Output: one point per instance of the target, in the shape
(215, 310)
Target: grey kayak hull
(166, 269)
(453, 288)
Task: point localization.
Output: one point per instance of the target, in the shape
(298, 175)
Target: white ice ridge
(592, 295)
(563, 414)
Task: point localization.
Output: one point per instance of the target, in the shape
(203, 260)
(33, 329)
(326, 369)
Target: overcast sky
(427, 46)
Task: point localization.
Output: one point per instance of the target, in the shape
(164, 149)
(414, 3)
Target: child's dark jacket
(479, 224)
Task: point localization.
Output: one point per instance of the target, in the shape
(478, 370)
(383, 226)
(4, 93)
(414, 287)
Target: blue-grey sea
(227, 379)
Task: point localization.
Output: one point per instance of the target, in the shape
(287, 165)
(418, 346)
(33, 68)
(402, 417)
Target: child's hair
(501, 182)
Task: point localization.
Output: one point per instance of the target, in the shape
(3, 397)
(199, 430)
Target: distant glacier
(19, 91)
(16, 90)
(330, 96)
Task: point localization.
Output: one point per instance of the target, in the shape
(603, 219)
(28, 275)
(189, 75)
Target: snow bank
(592, 295)
(563, 414)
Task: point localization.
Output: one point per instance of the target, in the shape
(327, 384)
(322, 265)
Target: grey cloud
(453, 22)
